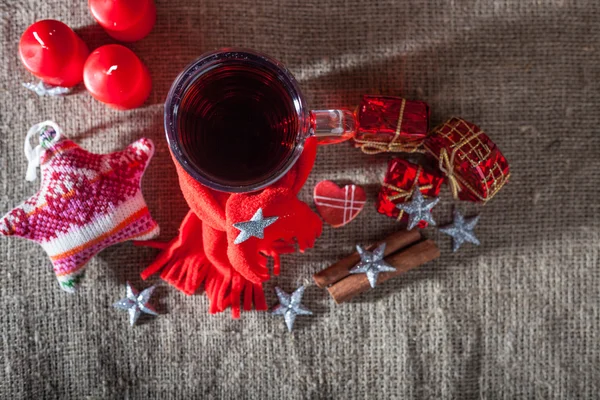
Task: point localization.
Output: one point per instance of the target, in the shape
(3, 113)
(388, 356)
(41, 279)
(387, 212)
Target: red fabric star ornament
(86, 202)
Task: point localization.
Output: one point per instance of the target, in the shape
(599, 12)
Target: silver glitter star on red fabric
(255, 227)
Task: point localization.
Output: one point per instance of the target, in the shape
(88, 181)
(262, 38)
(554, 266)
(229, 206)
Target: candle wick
(40, 41)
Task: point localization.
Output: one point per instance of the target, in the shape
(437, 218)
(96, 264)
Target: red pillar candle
(51, 51)
(114, 75)
(125, 20)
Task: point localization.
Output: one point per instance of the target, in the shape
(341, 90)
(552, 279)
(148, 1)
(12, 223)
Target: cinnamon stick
(403, 261)
(339, 270)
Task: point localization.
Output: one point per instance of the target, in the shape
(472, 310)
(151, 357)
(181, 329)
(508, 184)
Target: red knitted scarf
(204, 251)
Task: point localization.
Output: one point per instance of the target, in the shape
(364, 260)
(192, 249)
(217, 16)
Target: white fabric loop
(33, 154)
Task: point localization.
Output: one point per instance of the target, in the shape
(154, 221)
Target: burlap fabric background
(516, 317)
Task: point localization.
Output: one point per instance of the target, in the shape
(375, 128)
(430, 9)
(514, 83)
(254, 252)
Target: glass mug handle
(332, 126)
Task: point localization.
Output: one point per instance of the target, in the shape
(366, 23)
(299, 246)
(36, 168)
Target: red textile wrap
(204, 251)
(400, 182)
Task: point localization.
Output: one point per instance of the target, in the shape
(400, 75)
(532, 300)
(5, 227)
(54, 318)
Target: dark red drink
(237, 124)
(236, 121)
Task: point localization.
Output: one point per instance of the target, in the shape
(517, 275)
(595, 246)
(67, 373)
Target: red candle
(51, 51)
(114, 75)
(125, 20)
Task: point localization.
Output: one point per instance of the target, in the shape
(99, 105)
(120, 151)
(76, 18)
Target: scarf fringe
(204, 252)
(183, 265)
(187, 271)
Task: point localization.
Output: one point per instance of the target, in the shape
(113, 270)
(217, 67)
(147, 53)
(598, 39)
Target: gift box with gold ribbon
(474, 166)
(401, 180)
(391, 124)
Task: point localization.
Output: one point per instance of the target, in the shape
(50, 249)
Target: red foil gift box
(391, 124)
(475, 167)
(401, 180)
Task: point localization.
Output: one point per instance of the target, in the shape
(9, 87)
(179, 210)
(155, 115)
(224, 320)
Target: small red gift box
(475, 167)
(401, 179)
(391, 124)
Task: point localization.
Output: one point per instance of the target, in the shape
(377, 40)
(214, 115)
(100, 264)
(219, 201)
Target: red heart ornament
(337, 205)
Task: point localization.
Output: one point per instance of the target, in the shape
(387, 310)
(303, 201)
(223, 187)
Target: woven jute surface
(516, 317)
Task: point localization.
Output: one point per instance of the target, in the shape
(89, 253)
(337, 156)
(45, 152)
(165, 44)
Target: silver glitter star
(44, 89)
(372, 263)
(289, 306)
(255, 227)
(136, 303)
(419, 209)
(461, 230)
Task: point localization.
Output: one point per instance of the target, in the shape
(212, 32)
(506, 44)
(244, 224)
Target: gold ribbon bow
(446, 166)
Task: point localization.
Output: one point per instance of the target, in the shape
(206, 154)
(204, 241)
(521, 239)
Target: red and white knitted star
(86, 201)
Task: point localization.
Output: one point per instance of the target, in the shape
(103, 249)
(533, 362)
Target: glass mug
(236, 120)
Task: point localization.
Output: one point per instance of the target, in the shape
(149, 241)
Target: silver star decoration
(419, 209)
(289, 306)
(461, 230)
(43, 89)
(372, 263)
(255, 227)
(136, 303)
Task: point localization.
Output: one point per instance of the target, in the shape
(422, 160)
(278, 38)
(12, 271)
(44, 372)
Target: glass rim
(205, 63)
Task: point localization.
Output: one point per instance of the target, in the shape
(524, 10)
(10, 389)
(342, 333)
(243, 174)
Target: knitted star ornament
(226, 238)
(86, 201)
